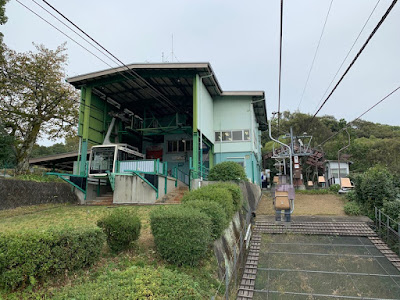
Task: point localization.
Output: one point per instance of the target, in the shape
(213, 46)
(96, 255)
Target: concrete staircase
(104, 200)
(175, 196)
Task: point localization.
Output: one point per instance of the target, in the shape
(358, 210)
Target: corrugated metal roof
(163, 88)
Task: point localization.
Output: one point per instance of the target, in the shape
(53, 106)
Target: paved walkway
(319, 258)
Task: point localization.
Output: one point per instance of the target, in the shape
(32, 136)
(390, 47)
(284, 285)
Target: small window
(218, 136)
(227, 136)
(246, 135)
(189, 145)
(181, 146)
(237, 135)
(170, 146)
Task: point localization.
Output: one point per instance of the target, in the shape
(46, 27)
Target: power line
(74, 31)
(348, 53)
(315, 54)
(355, 58)
(280, 66)
(359, 117)
(63, 33)
(116, 58)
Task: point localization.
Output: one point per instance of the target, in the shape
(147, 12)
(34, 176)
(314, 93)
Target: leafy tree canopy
(36, 101)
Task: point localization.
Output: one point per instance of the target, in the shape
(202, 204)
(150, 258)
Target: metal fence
(388, 230)
(231, 278)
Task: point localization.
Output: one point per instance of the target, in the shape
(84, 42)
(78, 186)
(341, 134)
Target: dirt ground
(306, 205)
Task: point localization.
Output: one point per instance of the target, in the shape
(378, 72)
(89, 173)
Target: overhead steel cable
(315, 54)
(116, 58)
(63, 33)
(74, 31)
(359, 117)
(348, 53)
(280, 66)
(355, 58)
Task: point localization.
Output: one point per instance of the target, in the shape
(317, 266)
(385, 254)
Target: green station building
(155, 126)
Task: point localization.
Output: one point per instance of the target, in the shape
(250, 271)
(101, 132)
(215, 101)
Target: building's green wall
(205, 112)
(232, 113)
(251, 164)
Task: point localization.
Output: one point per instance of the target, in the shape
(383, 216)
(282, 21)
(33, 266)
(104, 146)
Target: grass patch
(315, 192)
(143, 254)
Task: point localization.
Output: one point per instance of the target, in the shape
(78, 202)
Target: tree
(3, 20)
(35, 100)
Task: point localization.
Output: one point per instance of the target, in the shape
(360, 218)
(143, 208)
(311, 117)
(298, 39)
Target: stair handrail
(137, 173)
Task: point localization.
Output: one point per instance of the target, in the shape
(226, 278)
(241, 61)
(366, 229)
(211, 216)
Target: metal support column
(86, 97)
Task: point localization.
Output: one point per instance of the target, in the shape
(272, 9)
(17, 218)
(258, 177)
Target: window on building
(226, 136)
(218, 136)
(180, 146)
(237, 135)
(246, 135)
(232, 135)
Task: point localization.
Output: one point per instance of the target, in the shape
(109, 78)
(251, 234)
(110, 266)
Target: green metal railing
(61, 176)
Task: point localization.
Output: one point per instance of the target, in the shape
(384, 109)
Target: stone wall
(15, 193)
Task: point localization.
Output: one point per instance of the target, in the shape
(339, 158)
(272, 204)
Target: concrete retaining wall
(132, 189)
(15, 193)
(229, 242)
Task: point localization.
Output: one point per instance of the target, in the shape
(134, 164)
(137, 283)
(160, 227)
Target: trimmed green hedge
(136, 283)
(122, 227)
(209, 193)
(227, 171)
(26, 257)
(182, 234)
(216, 213)
(235, 191)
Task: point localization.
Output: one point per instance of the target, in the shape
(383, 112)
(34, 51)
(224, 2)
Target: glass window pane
(227, 136)
(181, 146)
(174, 146)
(189, 145)
(237, 135)
(218, 136)
(246, 135)
(170, 146)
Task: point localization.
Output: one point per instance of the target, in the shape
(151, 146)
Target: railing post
(234, 265)
(387, 228)
(379, 220)
(398, 236)
(376, 216)
(227, 284)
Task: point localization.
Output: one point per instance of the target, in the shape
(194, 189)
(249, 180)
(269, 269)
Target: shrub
(122, 227)
(136, 283)
(313, 192)
(182, 234)
(351, 196)
(26, 257)
(209, 193)
(373, 187)
(392, 209)
(227, 171)
(234, 189)
(215, 212)
(352, 209)
(334, 188)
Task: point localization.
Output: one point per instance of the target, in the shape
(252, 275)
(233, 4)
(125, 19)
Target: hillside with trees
(372, 144)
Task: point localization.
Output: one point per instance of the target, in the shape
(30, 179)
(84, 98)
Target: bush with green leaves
(30, 256)
(334, 188)
(136, 283)
(182, 234)
(235, 191)
(352, 209)
(392, 209)
(374, 187)
(227, 171)
(215, 194)
(216, 213)
(351, 196)
(121, 227)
